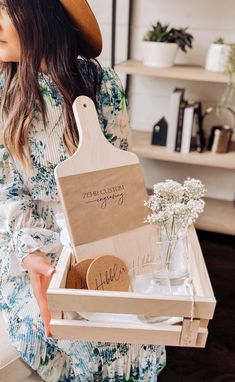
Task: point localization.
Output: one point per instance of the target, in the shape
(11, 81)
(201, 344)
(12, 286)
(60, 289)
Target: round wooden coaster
(76, 278)
(108, 273)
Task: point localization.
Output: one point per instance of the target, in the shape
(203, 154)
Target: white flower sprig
(175, 206)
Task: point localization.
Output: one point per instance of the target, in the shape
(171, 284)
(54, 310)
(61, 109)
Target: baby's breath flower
(154, 203)
(193, 189)
(161, 217)
(195, 207)
(169, 191)
(175, 206)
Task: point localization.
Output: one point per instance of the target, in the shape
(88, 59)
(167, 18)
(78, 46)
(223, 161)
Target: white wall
(149, 97)
(103, 12)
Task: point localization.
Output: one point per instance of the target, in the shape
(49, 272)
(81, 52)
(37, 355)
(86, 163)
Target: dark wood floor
(215, 363)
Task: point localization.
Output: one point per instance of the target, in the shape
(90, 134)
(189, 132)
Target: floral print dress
(28, 204)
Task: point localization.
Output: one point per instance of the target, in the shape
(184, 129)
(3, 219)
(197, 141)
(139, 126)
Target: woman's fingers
(44, 309)
(40, 285)
(40, 272)
(36, 285)
(38, 262)
(44, 267)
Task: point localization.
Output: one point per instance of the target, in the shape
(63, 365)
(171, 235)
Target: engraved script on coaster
(76, 278)
(103, 203)
(108, 273)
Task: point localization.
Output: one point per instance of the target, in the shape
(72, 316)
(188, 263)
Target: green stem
(172, 243)
(164, 225)
(169, 251)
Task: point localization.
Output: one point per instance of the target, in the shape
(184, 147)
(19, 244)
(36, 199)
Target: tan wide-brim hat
(86, 24)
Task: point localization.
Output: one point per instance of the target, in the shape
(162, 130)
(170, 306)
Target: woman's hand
(40, 273)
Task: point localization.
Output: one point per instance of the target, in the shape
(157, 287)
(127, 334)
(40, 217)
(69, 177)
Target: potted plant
(229, 70)
(225, 106)
(161, 42)
(217, 55)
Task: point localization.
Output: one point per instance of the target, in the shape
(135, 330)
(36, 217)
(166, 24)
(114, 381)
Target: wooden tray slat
(161, 335)
(129, 303)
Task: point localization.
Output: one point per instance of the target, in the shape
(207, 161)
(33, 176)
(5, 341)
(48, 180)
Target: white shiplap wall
(149, 97)
(103, 12)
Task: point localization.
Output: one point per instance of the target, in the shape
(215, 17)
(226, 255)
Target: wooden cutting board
(101, 187)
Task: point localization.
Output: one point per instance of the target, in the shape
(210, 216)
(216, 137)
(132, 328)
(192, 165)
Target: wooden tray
(102, 192)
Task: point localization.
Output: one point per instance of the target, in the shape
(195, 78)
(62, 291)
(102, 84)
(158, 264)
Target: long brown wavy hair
(46, 33)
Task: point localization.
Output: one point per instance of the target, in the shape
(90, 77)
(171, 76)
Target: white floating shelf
(181, 72)
(142, 147)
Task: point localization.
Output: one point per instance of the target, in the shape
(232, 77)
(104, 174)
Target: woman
(41, 76)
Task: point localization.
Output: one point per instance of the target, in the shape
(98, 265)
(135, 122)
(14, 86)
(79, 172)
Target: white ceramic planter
(159, 54)
(217, 57)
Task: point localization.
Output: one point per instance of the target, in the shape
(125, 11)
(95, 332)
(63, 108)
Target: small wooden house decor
(102, 192)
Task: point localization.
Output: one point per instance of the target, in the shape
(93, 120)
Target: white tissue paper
(64, 235)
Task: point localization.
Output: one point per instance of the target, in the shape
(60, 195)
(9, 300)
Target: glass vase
(164, 275)
(174, 259)
(170, 249)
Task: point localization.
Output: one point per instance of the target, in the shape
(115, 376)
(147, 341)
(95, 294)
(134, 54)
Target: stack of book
(185, 131)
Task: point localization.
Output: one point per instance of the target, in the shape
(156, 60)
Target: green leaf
(163, 33)
(114, 139)
(96, 351)
(108, 136)
(5, 156)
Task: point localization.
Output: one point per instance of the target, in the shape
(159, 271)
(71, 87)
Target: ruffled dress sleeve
(22, 230)
(113, 110)
(19, 222)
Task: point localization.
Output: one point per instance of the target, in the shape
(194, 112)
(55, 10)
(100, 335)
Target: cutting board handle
(89, 129)
(94, 151)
